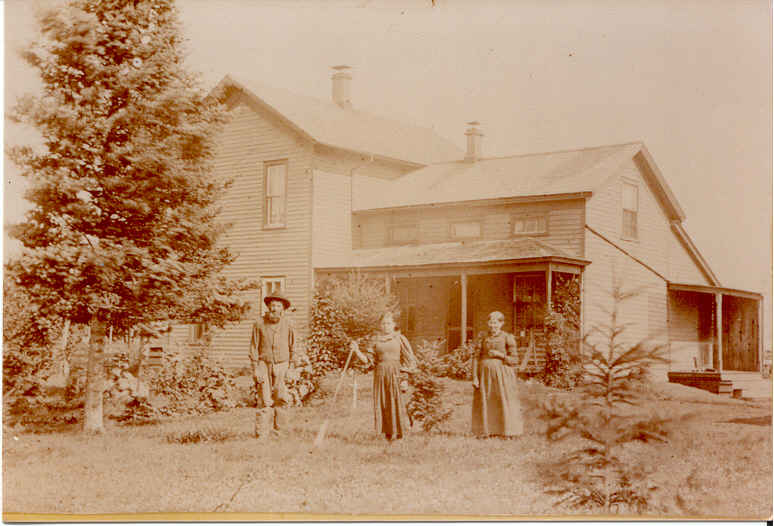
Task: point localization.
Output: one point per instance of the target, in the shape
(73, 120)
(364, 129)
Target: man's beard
(273, 317)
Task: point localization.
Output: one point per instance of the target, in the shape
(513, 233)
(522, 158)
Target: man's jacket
(272, 342)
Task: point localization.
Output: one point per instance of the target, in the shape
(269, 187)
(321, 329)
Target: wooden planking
(331, 216)
(682, 267)
(565, 223)
(655, 246)
(249, 140)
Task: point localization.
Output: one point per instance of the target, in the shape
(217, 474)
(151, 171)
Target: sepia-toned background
(692, 79)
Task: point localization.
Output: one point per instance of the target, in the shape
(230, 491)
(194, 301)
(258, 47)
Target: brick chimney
(474, 135)
(340, 86)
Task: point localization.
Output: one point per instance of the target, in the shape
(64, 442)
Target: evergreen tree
(123, 230)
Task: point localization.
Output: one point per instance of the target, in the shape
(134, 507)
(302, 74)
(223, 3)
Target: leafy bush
(603, 417)
(192, 384)
(343, 310)
(457, 363)
(564, 364)
(138, 411)
(428, 402)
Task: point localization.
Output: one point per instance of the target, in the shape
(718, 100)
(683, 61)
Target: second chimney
(340, 86)
(474, 135)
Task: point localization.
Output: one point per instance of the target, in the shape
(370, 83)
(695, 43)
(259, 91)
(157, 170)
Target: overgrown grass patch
(717, 468)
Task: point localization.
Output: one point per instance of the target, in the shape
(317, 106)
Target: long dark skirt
(496, 407)
(390, 415)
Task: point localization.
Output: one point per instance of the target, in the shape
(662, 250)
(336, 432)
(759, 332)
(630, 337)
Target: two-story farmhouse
(321, 189)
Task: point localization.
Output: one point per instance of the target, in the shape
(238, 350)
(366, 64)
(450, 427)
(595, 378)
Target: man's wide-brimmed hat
(277, 296)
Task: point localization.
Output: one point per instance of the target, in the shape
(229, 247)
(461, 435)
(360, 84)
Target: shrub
(603, 418)
(457, 363)
(193, 384)
(138, 411)
(428, 402)
(564, 365)
(344, 309)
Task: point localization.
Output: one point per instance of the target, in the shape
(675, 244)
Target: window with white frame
(275, 193)
(630, 201)
(530, 225)
(198, 332)
(271, 285)
(465, 230)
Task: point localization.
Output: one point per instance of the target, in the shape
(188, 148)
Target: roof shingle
(523, 175)
(447, 253)
(329, 124)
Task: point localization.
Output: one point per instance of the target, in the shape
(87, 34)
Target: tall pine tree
(123, 230)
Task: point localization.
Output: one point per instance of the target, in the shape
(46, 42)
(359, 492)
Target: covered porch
(447, 291)
(714, 328)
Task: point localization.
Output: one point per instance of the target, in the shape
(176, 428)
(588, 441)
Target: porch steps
(739, 384)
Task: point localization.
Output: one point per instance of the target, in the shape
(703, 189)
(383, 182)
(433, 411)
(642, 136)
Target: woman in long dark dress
(496, 407)
(392, 354)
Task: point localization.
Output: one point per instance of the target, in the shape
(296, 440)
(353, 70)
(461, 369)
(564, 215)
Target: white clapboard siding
(564, 230)
(656, 246)
(251, 139)
(331, 216)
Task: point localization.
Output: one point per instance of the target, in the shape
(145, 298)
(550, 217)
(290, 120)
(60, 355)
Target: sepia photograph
(427, 260)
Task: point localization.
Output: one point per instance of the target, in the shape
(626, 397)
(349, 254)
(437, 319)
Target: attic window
(530, 225)
(630, 200)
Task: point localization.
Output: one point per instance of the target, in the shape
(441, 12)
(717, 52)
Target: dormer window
(630, 200)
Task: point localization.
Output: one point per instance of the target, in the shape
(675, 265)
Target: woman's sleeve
(407, 353)
(478, 346)
(511, 352)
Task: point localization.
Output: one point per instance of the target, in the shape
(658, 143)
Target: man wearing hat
(271, 352)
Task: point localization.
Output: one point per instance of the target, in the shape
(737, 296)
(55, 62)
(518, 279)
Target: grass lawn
(718, 463)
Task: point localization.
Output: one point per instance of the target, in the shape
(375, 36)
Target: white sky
(692, 79)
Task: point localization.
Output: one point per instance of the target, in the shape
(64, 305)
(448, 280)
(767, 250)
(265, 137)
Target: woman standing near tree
(392, 354)
(496, 407)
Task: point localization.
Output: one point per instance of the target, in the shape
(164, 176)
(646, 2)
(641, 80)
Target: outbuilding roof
(329, 124)
(465, 252)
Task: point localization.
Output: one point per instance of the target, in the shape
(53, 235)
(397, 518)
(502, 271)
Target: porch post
(464, 307)
(718, 365)
(548, 288)
(387, 282)
(760, 335)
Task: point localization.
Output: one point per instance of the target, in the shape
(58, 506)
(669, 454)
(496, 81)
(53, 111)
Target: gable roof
(459, 252)
(562, 173)
(328, 124)
(542, 174)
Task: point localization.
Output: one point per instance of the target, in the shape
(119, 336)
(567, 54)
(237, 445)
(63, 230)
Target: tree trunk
(95, 376)
(65, 366)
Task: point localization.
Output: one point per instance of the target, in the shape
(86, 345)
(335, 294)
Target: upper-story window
(402, 234)
(530, 225)
(275, 194)
(630, 200)
(465, 230)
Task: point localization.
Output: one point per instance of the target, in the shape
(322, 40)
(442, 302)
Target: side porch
(716, 338)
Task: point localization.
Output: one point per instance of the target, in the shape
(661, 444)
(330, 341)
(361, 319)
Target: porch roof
(709, 289)
(524, 249)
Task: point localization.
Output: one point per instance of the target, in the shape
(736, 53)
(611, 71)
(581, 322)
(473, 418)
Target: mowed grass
(718, 463)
